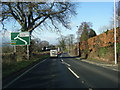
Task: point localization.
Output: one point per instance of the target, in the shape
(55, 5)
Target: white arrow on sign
(20, 39)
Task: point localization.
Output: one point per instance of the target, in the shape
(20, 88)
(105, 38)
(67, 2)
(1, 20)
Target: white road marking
(61, 56)
(83, 82)
(62, 60)
(90, 88)
(23, 74)
(73, 73)
(67, 64)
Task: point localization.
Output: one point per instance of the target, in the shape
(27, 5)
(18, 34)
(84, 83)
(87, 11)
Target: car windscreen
(54, 52)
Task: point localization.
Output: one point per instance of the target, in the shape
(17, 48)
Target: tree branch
(22, 13)
(30, 30)
(15, 16)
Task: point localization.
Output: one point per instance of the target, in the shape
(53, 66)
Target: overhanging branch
(30, 30)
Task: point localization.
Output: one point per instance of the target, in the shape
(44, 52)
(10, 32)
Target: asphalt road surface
(65, 72)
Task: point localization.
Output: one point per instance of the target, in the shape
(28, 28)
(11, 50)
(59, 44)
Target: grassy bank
(8, 69)
(118, 47)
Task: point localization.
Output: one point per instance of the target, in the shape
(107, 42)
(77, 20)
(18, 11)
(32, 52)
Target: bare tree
(44, 44)
(71, 38)
(36, 45)
(30, 15)
(62, 42)
(70, 41)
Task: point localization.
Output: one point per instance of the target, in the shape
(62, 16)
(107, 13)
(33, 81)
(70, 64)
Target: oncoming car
(53, 53)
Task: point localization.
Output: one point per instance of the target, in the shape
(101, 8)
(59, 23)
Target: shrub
(102, 51)
(118, 47)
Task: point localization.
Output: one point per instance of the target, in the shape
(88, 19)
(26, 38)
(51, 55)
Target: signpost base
(27, 52)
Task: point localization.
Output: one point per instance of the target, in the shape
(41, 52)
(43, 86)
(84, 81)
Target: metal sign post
(28, 52)
(115, 32)
(19, 39)
(14, 49)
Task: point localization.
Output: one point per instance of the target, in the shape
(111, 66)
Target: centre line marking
(67, 64)
(82, 81)
(61, 56)
(62, 60)
(90, 88)
(73, 73)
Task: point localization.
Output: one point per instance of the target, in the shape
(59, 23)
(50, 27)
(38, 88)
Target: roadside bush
(118, 47)
(102, 51)
(8, 58)
(118, 51)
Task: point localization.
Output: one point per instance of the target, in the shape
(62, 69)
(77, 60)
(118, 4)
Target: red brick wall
(102, 40)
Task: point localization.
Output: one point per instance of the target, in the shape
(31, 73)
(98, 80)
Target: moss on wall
(102, 46)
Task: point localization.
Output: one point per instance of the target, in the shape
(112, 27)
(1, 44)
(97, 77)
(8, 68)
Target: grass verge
(8, 69)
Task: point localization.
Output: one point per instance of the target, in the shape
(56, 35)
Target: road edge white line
(23, 74)
(73, 73)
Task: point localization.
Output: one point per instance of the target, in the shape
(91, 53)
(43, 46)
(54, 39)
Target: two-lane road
(65, 72)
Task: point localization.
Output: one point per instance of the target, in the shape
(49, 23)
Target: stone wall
(103, 41)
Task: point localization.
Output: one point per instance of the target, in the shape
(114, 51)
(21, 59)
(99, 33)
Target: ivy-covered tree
(84, 31)
(92, 33)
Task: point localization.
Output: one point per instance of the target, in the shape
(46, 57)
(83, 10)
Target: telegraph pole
(115, 32)
(78, 43)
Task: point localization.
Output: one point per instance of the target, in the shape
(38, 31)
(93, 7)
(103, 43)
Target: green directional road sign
(20, 38)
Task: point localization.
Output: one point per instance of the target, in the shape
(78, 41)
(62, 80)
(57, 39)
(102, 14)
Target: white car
(53, 53)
